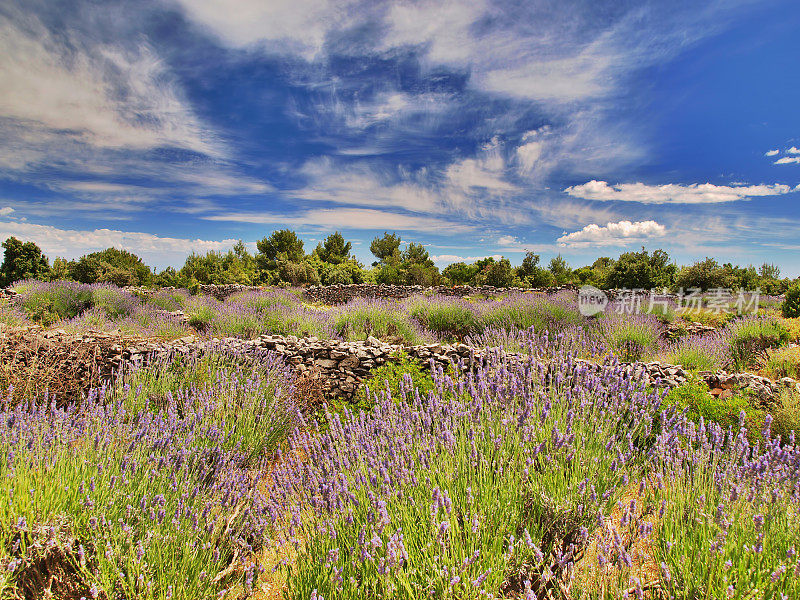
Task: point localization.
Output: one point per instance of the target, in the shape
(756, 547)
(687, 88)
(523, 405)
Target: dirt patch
(52, 565)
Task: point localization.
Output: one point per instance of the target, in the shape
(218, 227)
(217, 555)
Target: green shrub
(170, 300)
(200, 313)
(751, 337)
(450, 320)
(791, 305)
(399, 376)
(47, 303)
(113, 302)
(786, 414)
(378, 320)
(694, 398)
(783, 362)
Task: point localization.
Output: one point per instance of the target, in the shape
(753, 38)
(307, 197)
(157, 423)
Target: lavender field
(546, 470)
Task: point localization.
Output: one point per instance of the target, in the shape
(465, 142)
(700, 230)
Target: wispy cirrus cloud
(673, 193)
(95, 95)
(613, 234)
(329, 219)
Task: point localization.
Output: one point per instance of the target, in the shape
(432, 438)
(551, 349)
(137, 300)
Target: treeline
(281, 259)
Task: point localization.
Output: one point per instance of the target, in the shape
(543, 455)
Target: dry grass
(609, 580)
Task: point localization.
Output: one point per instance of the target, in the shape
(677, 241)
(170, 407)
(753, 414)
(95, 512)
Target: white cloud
(70, 243)
(5, 211)
(787, 160)
(613, 234)
(349, 218)
(673, 193)
(793, 150)
(103, 96)
(446, 259)
(296, 26)
(527, 156)
(772, 152)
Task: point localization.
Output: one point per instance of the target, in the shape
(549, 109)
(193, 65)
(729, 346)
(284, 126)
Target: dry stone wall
(341, 366)
(340, 294)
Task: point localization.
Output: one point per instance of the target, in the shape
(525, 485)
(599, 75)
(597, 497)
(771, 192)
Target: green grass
(358, 323)
(451, 321)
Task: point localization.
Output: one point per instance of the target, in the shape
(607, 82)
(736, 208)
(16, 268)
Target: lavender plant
(488, 485)
(161, 502)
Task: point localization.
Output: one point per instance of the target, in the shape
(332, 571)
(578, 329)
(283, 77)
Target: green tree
(497, 273)
(386, 249)
(416, 266)
(642, 270)
(460, 273)
(703, 274)
(560, 270)
(791, 305)
(334, 250)
(61, 269)
(22, 261)
(111, 265)
(283, 244)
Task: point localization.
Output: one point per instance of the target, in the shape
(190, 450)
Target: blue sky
(477, 127)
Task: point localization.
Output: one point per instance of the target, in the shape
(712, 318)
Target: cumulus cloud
(772, 152)
(793, 150)
(673, 193)
(613, 234)
(71, 243)
(5, 211)
(787, 160)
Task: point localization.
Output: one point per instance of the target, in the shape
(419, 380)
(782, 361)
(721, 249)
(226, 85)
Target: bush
(697, 353)
(200, 312)
(631, 337)
(47, 303)
(360, 319)
(694, 398)
(151, 489)
(791, 305)
(400, 377)
(525, 311)
(783, 362)
(786, 415)
(170, 300)
(450, 319)
(113, 302)
(748, 338)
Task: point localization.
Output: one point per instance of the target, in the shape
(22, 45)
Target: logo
(591, 301)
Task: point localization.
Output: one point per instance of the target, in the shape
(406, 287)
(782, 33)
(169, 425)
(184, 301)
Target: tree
(22, 261)
(386, 248)
(641, 270)
(283, 244)
(769, 271)
(560, 269)
(334, 249)
(498, 273)
(703, 274)
(416, 266)
(111, 265)
(61, 269)
(531, 274)
(460, 273)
